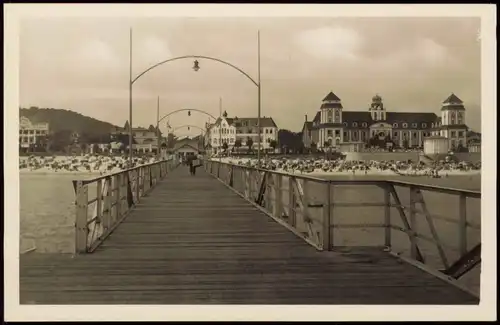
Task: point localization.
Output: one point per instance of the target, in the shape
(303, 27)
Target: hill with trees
(63, 123)
(66, 120)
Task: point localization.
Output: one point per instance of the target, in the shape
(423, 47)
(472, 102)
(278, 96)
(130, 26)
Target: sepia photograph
(228, 159)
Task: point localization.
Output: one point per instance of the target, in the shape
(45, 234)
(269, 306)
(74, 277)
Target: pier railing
(433, 227)
(103, 202)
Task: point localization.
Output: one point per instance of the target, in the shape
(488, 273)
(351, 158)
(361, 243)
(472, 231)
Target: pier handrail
(115, 194)
(314, 219)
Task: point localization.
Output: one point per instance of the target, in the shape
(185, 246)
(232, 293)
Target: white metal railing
(397, 217)
(103, 202)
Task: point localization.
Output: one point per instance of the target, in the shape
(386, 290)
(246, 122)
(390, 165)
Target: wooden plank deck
(193, 241)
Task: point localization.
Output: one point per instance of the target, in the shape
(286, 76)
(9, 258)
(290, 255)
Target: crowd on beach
(103, 164)
(100, 164)
(404, 168)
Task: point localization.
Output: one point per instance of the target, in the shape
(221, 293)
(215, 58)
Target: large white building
(30, 132)
(332, 125)
(238, 130)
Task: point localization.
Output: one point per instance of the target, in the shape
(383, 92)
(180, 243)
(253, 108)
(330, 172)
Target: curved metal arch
(186, 109)
(188, 125)
(195, 57)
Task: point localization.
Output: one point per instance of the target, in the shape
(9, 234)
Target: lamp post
(158, 128)
(220, 129)
(196, 67)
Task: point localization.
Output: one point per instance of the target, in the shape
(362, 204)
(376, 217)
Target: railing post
(462, 224)
(117, 186)
(99, 200)
(305, 202)
(246, 183)
(278, 196)
(291, 203)
(138, 184)
(387, 216)
(413, 223)
(106, 214)
(81, 228)
(327, 205)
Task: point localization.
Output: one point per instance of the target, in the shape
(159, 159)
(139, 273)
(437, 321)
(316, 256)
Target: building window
(354, 124)
(424, 125)
(345, 134)
(414, 125)
(337, 116)
(364, 124)
(345, 124)
(395, 133)
(337, 132)
(414, 134)
(330, 133)
(405, 125)
(453, 133)
(270, 131)
(330, 116)
(460, 133)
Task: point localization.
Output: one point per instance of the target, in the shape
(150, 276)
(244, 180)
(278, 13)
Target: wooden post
(81, 228)
(99, 197)
(413, 222)
(137, 184)
(327, 222)
(117, 183)
(278, 196)
(387, 216)
(106, 215)
(291, 203)
(462, 224)
(305, 202)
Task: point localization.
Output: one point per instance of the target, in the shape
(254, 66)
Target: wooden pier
(183, 239)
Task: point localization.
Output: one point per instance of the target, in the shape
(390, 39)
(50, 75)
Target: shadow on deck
(193, 241)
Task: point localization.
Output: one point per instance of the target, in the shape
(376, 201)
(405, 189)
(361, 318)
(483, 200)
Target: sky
(82, 64)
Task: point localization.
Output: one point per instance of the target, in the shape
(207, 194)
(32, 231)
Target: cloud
(431, 52)
(330, 43)
(421, 57)
(152, 50)
(94, 53)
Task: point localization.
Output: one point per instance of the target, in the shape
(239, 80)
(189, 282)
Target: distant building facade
(30, 133)
(333, 126)
(230, 130)
(145, 140)
(187, 147)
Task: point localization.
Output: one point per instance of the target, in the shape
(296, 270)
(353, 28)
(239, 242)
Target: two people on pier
(194, 162)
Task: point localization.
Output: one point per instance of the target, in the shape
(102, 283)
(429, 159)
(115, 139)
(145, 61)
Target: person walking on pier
(190, 163)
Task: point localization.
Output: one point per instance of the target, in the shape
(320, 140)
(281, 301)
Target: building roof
(307, 125)
(331, 105)
(183, 145)
(360, 117)
(331, 96)
(265, 122)
(317, 117)
(453, 99)
(410, 117)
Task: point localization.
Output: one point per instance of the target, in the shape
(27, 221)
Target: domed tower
(453, 121)
(331, 109)
(453, 111)
(377, 109)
